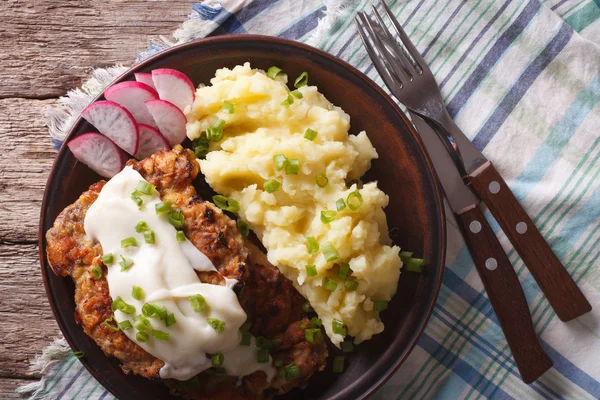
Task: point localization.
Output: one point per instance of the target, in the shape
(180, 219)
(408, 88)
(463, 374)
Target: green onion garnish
(137, 293)
(137, 199)
(340, 204)
(414, 265)
(278, 363)
(296, 94)
(273, 71)
(354, 200)
(216, 324)
(176, 219)
(198, 302)
(379, 305)
(330, 252)
(338, 327)
(142, 336)
(330, 284)
(124, 325)
(302, 325)
(292, 372)
(312, 335)
(311, 244)
(228, 107)
(347, 346)
(97, 272)
(306, 307)
(351, 285)
(79, 354)
(316, 322)
(263, 356)
(311, 270)
(141, 323)
(328, 216)
(145, 188)
(125, 263)
(154, 311)
(405, 256)
(321, 180)
(162, 206)
(215, 133)
(356, 182)
(243, 228)
(310, 134)
(119, 304)
(302, 80)
(180, 236)
(291, 167)
(160, 335)
(281, 372)
(141, 227)
(129, 242)
(264, 343)
(280, 161)
(246, 339)
(245, 328)
(107, 323)
(338, 364)
(225, 203)
(149, 237)
(288, 101)
(394, 232)
(217, 359)
(170, 320)
(344, 270)
(200, 146)
(108, 259)
(271, 186)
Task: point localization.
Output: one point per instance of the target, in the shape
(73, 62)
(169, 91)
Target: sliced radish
(144, 77)
(99, 153)
(173, 86)
(132, 96)
(151, 141)
(170, 120)
(115, 122)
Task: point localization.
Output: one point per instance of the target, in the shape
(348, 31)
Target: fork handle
(505, 293)
(561, 291)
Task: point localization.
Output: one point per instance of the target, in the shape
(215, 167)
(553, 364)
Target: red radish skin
(144, 77)
(174, 86)
(151, 141)
(99, 153)
(114, 122)
(132, 96)
(170, 120)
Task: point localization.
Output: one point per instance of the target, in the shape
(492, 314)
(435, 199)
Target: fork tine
(412, 50)
(363, 31)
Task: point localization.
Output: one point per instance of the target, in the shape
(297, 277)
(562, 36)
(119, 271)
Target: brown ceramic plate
(403, 171)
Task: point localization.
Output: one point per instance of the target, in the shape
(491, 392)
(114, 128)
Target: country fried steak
(268, 298)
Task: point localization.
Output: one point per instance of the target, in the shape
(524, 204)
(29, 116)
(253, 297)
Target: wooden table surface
(46, 48)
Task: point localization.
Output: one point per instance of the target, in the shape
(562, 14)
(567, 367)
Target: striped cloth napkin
(522, 80)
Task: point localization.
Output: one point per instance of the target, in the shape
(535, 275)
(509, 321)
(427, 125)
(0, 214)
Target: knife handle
(561, 291)
(506, 295)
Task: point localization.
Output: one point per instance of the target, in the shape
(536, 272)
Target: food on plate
(132, 96)
(114, 122)
(99, 153)
(151, 141)
(164, 282)
(286, 159)
(169, 119)
(174, 87)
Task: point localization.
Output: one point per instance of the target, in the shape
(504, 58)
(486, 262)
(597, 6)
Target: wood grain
(8, 386)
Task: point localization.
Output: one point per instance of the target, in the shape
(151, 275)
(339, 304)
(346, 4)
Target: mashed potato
(237, 166)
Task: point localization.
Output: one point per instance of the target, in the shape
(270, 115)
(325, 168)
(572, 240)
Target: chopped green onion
(312, 335)
(137, 293)
(288, 101)
(176, 219)
(245, 328)
(354, 200)
(141, 323)
(160, 335)
(180, 236)
(379, 305)
(302, 80)
(154, 311)
(149, 237)
(264, 343)
(271, 186)
(215, 133)
(246, 339)
(330, 284)
(137, 199)
(328, 216)
(291, 167)
(280, 161)
(217, 359)
(228, 107)
(226, 204)
(129, 242)
(119, 304)
(263, 356)
(351, 285)
(243, 228)
(405, 256)
(198, 302)
(108, 259)
(356, 182)
(315, 322)
(141, 227)
(311, 244)
(321, 180)
(306, 307)
(296, 94)
(281, 372)
(200, 146)
(216, 324)
(311, 270)
(338, 327)
(344, 270)
(97, 272)
(340, 204)
(302, 325)
(415, 265)
(79, 354)
(292, 372)
(124, 325)
(310, 134)
(347, 346)
(125, 263)
(338, 364)
(145, 188)
(219, 124)
(142, 336)
(163, 206)
(330, 252)
(278, 363)
(273, 71)
(394, 232)
(107, 323)
(170, 320)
